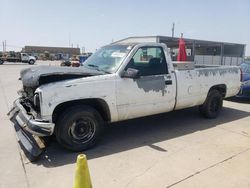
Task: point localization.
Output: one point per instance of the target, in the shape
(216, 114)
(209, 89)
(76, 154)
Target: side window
(149, 61)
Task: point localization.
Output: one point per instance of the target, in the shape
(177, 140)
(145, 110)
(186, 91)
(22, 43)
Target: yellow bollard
(82, 177)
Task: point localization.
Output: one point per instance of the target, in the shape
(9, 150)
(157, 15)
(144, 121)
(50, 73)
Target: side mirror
(131, 73)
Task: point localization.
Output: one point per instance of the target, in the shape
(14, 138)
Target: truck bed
(189, 65)
(198, 79)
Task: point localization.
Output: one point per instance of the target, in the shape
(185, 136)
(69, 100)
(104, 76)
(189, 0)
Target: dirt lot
(177, 149)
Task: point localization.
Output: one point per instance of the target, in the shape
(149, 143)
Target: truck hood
(39, 75)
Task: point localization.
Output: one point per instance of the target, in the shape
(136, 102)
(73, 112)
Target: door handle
(168, 82)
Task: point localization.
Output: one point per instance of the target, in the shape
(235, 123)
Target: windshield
(108, 58)
(245, 67)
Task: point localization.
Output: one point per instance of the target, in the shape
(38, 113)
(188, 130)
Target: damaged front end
(29, 128)
(26, 111)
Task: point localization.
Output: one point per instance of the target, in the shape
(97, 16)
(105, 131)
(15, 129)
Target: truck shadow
(141, 132)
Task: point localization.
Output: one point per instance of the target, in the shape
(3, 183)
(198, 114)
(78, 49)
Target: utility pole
(83, 49)
(5, 46)
(173, 29)
(69, 40)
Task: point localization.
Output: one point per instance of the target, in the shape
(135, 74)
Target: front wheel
(1, 62)
(213, 104)
(79, 128)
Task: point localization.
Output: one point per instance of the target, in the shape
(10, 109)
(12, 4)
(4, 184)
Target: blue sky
(95, 23)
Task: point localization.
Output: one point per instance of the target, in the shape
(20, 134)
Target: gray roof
(175, 39)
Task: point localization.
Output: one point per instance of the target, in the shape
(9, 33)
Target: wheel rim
(215, 105)
(82, 130)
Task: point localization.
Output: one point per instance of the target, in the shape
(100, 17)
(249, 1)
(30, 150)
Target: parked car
(66, 63)
(71, 62)
(245, 87)
(118, 82)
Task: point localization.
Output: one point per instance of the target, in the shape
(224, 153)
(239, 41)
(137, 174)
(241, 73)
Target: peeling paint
(71, 85)
(212, 71)
(154, 83)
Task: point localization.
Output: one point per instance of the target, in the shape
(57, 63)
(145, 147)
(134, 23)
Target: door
(24, 57)
(153, 92)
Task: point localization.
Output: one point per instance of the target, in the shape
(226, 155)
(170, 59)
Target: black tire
(213, 104)
(79, 128)
(47, 139)
(1, 62)
(31, 62)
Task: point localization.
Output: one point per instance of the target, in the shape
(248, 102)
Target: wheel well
(100, 105)
(221, 88)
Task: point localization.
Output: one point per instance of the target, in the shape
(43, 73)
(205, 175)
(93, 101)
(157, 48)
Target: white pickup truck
(118, 82)
(18, 57)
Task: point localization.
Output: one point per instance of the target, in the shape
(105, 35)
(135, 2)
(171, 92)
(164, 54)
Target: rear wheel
(213, 104)
(79, 128)
(31, 62)
(1, 62)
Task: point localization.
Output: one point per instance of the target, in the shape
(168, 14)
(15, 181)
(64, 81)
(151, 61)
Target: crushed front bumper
(29, 130)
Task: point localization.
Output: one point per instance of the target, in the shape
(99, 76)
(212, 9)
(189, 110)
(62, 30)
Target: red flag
(182, 55)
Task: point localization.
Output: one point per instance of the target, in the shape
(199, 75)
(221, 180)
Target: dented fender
(97, 87)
